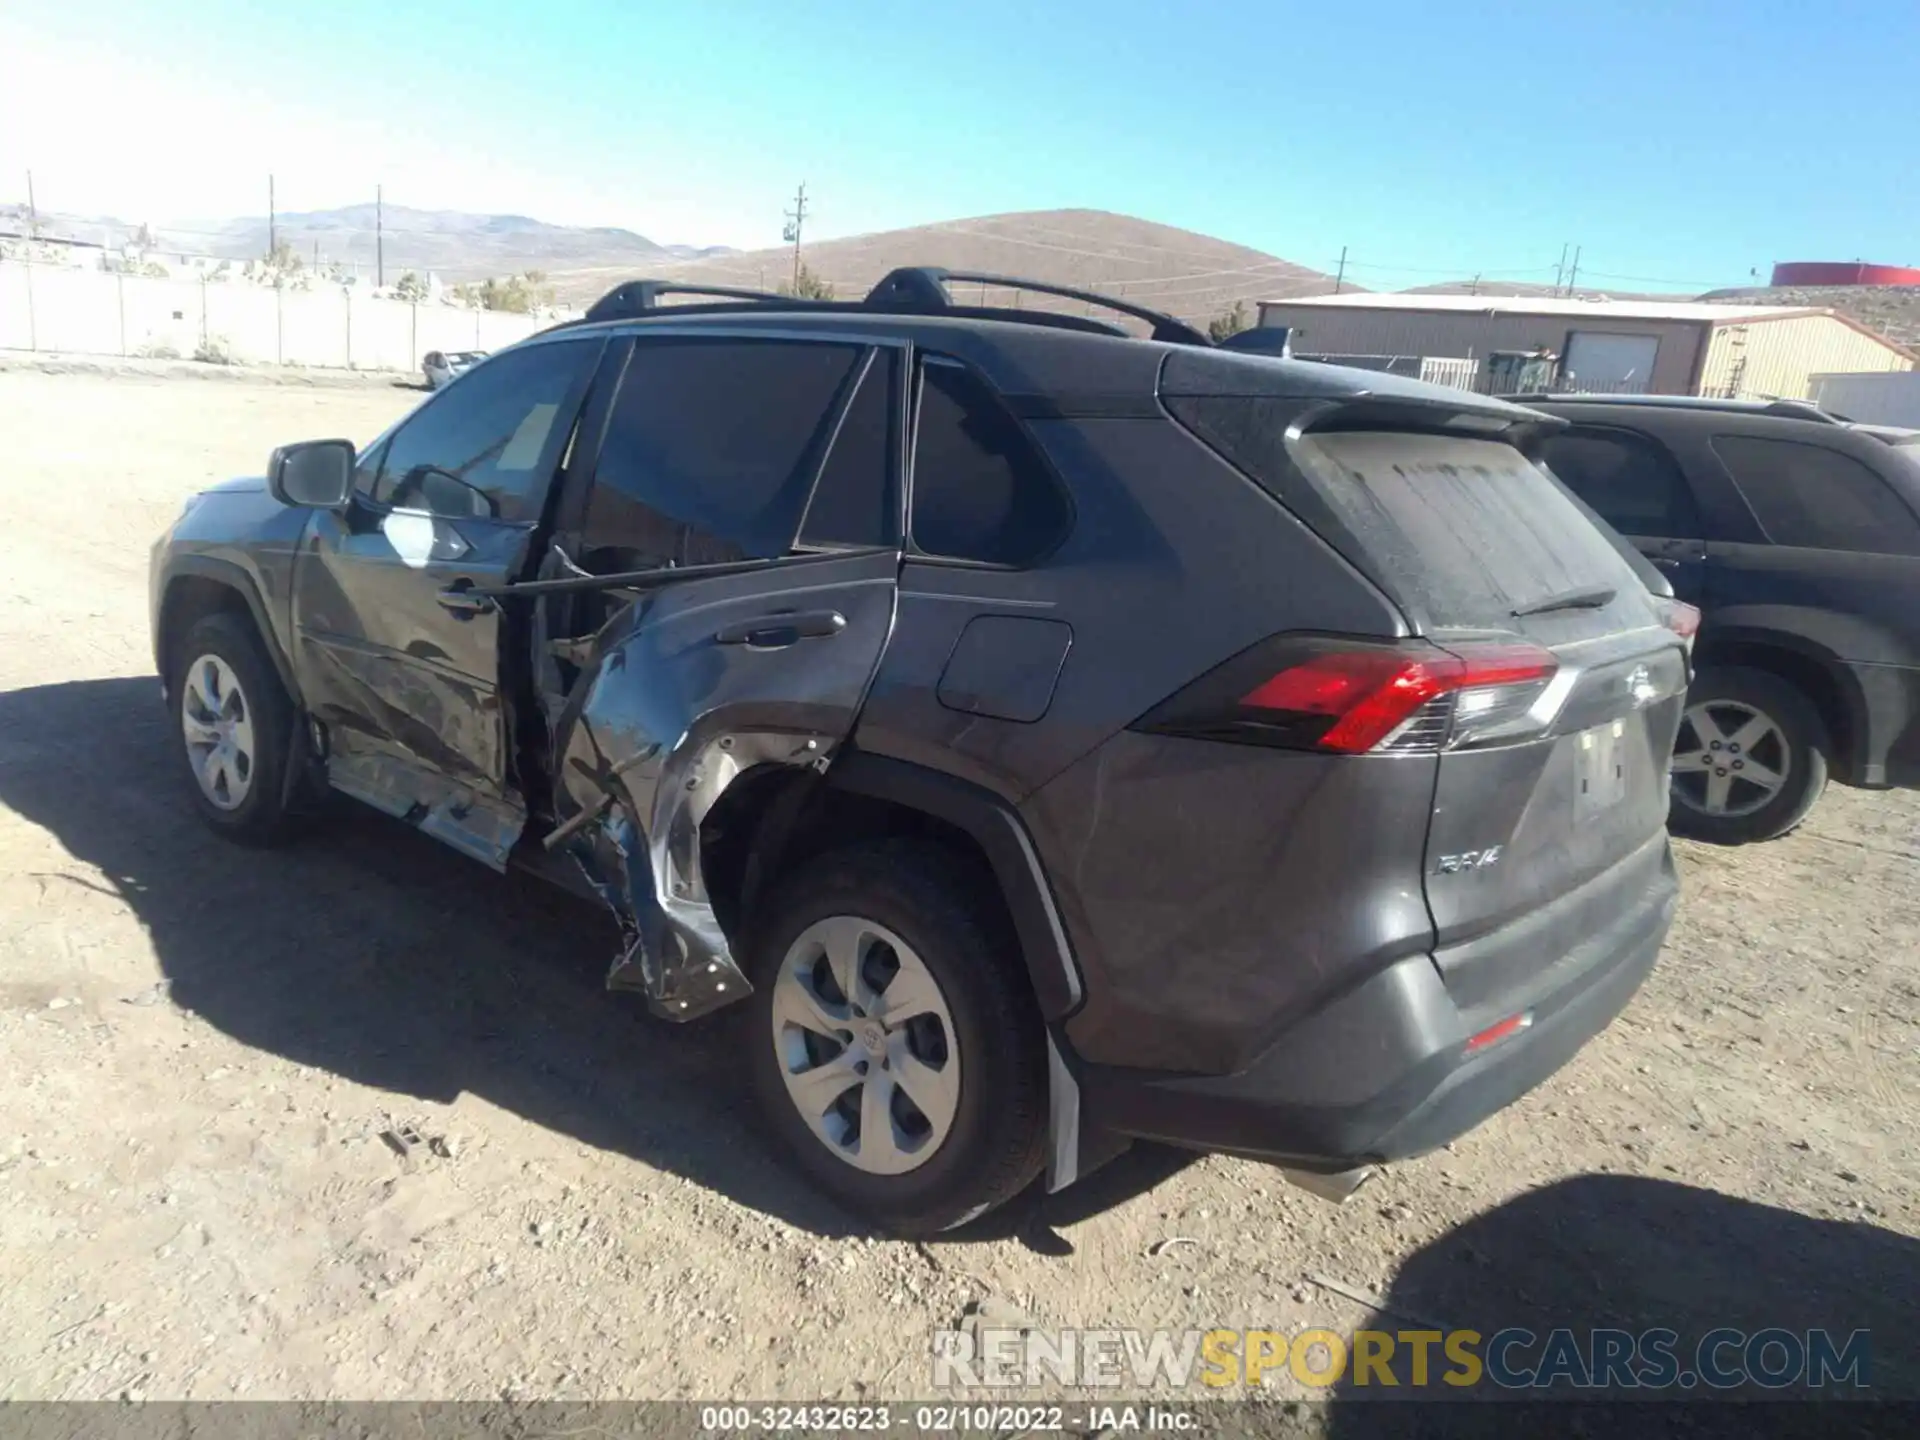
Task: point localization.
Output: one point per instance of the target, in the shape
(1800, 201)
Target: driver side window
(487, 445)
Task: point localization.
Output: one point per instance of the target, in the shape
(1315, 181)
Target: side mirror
(443, 493)
(315, 474)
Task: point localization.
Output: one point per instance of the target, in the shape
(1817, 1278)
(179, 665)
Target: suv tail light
(1354, 697)
(1681, 618)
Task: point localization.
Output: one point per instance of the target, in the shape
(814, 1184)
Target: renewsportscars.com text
(1511, 1359)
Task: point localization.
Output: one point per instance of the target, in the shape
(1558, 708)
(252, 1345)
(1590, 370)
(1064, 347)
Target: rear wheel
(895, 1047)
(1750, 759)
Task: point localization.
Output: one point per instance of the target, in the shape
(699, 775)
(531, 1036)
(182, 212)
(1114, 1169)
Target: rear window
(1466, 531)
(1458, 530)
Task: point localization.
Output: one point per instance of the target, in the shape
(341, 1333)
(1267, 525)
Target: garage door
(1598, 361)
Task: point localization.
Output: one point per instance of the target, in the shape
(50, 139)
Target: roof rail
(924, 287)
(1801, 410)
(909, 290)
(639, 297)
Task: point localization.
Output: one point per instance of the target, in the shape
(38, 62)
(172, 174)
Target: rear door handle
(462, 600)
(776, 632)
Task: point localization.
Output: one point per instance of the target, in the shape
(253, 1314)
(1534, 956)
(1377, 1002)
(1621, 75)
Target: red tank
(1843, 272)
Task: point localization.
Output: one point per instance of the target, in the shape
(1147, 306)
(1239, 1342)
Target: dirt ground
(200, 1047)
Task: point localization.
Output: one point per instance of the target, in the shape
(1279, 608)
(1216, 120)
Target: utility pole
(1574, 273)
(379, 236)
(33, 213)
(1341, 277)
(1560, 270)
(273, 231)
(796, 219)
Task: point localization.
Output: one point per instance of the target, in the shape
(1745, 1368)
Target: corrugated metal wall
(1781, 357)
(1357, 330)
(1883, 399)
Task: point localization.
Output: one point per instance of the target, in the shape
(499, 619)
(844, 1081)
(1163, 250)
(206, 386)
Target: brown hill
(1192, 276)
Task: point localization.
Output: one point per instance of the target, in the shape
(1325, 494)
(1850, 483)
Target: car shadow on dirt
(372, 952)
(1635, 1255)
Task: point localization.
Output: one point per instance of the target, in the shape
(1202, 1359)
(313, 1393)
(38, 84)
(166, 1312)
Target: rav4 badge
(1468, 860)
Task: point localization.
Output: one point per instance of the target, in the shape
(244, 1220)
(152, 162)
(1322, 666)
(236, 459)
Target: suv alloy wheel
(1750, 759)
(234, 723)
(895, 1046)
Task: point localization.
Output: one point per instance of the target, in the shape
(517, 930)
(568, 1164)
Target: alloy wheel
(1730, 759)
(866, 1045)
(218, 724)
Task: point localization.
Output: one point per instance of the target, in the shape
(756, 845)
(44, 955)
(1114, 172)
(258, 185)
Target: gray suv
(1038, 736)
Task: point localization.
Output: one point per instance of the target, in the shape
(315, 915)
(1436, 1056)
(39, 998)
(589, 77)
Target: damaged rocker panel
(450, 812)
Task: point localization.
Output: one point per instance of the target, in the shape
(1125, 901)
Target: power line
(1651, 279)
(1448, 269)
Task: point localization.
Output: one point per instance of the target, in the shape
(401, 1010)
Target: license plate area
(1599, 768)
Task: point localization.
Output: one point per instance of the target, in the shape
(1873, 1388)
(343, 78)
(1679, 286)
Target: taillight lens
(1355, 698)
(1681, 618)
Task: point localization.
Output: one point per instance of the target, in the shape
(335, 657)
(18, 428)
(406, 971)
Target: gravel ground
(201, 1046)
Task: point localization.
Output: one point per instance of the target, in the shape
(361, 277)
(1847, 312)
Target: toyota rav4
(1044, 735)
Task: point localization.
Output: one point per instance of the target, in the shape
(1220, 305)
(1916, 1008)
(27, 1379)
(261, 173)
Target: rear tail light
(1681, 618)
(1354, 698)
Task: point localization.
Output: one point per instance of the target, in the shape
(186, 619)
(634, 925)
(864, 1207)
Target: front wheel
(895, 1046)
(235, 727)
(1750, 759)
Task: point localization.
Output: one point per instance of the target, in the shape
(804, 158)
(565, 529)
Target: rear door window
(856, 502)
(1818, 499)
(980, 489)
(1632, 483)
(712, 447)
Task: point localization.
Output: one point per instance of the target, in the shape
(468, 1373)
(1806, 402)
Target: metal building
(1661, 347)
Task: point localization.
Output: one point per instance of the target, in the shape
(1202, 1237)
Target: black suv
(1049, 736)
(1797, 534)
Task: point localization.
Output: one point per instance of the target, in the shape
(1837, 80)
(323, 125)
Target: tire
(994, 1143)
(1736, 700)
(218, 654)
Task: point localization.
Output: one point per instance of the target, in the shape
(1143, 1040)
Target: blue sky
(1688, 142)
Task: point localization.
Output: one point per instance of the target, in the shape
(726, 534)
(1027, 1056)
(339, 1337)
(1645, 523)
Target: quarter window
(1818, 499)
(980, 490)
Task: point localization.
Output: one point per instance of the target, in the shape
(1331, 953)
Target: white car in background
(443, 367)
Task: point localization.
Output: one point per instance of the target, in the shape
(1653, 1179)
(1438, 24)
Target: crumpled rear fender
(642, 762)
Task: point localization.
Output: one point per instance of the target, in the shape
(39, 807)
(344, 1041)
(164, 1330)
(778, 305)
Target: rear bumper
(1383, 1072)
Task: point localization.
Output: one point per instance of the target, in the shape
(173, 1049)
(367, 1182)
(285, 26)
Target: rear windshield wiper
(1591, 598)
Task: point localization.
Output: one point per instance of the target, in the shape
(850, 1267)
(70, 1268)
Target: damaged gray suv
(1042, 736)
